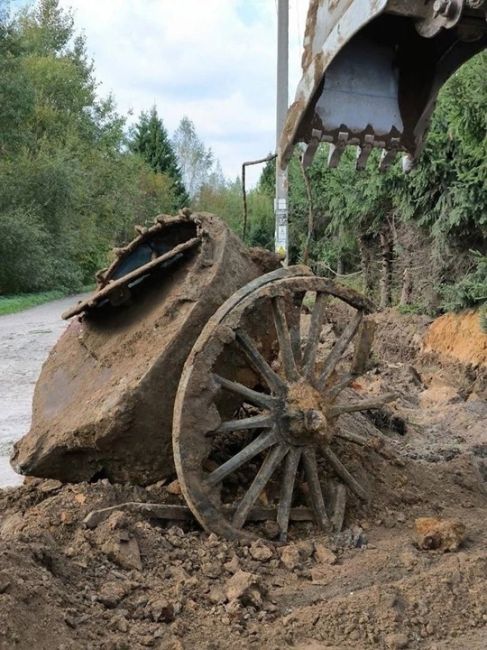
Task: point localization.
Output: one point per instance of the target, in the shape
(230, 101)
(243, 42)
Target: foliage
(69, 187)
(194, 159)
(13, 304)
(150, 140)
(471, 290)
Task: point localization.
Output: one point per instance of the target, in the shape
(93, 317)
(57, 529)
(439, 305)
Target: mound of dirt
(134, 581)
(459, 337)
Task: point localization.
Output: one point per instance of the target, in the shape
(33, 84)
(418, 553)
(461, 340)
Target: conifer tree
(150, 140)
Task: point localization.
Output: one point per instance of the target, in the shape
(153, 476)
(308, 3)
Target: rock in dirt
(174, 488)
(161, 610)
(439, 534)
(260, 551)
(103, 404)
(397, 641)
(112, 593)
(290, 556)
(244, 587)
(324, 555)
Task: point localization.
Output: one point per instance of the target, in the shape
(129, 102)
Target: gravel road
(25, 341)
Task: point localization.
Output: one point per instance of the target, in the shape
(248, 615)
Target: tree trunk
(365, 264)
(407, 287)
(340, 266)
(387, 254)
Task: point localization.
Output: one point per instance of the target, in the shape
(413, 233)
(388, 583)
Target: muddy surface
(26, 339)
(134, 581)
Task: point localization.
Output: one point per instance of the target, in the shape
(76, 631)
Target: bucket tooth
(140, 230)
(388, 155)
(310, 150)
(363, 152)
(337, 149)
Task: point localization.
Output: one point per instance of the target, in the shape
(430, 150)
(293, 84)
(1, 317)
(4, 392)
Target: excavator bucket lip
(355, 16)
(112, 289)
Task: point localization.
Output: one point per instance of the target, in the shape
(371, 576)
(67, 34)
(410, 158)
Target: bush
(25, 266)
(470, 291)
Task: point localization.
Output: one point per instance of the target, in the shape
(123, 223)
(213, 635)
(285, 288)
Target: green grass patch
(12, 304)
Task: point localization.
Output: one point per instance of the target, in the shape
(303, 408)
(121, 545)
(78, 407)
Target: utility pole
(280, 203)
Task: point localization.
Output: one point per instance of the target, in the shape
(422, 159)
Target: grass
(14, 303)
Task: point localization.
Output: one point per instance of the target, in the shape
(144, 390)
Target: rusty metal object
(372, 71)
(103, 404)
(280, 438)
(162, 245)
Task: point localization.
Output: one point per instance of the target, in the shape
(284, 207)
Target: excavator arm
(372, 70)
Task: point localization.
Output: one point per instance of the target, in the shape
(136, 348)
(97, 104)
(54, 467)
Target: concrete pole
(281, 200)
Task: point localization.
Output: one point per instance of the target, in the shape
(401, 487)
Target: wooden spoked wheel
(255, 420)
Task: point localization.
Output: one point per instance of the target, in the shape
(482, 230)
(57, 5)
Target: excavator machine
(372, 70)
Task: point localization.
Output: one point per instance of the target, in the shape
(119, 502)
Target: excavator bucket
(372, 70)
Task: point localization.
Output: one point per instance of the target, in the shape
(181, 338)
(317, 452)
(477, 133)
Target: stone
(260, 551)
(174, 488)
(439, 534)
(125, 553)
(4, 585)
(290, 556)
(112, 593)
(324, 555)
(211, 569)
(397, 641)
(245, 587)
(161, 611)
(233, 565)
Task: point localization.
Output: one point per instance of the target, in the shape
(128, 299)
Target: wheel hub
(305, 418)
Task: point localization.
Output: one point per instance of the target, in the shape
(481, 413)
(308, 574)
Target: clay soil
(135, 582)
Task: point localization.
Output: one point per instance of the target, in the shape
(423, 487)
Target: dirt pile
(137, 582)
(125, 579)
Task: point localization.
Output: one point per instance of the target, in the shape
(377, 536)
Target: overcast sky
(212, 60)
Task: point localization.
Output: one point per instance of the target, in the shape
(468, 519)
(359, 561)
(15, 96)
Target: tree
(150, 140)
(69, 188)
(195, 161)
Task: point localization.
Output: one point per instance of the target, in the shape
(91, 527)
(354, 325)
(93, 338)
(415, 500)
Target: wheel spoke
(339, 348)
(361, 353)
(263, 441)
(268, 467)
(353, 437)
(339, 505)
(258, 362)
(364, 405)
(295, 329)
(284, 338)
(287, 489)
(315, 327)
(344, 474)
(314, 486)
(254, 422)
(345, 381)
(252, 396)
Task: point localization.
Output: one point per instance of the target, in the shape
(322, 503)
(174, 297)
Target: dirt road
(25, 341)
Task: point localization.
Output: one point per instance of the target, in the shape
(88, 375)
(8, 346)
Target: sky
(212, 60)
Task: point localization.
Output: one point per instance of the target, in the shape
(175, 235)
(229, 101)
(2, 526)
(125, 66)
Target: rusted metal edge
(183, 513)
(355, 16)
(133, 275)
(161, 223)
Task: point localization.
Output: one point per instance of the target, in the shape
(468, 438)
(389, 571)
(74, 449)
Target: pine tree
(150, 140)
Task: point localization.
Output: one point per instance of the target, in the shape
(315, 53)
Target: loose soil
(133, 582)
